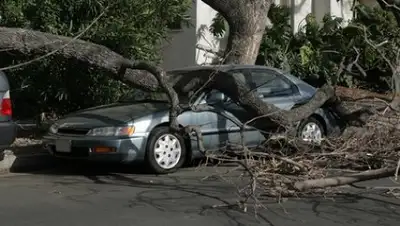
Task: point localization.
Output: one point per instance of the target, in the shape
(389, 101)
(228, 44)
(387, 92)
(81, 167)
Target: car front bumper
(125, 150)
(8, 132)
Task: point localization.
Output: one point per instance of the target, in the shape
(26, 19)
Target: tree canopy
(133, 28)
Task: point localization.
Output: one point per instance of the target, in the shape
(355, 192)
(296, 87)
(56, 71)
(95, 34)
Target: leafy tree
(132, 28)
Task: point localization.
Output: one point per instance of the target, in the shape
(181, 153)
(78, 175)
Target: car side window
(268, 83)
(214, 96)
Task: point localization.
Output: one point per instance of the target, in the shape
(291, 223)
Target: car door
(232, 117)
(274, 88)
(238, 116)
(210, 123)
(215, 126)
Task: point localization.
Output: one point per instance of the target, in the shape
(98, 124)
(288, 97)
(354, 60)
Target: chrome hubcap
(167, 151)
(311, 133)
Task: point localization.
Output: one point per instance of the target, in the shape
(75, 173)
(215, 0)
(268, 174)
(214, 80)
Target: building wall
(342, 9)
(179, 50)
(205, 40)
(319, 8)
(186, 47)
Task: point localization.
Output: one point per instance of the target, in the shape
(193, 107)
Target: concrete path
(100, 196)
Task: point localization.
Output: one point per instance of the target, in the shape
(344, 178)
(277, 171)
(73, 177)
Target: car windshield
(139, 95)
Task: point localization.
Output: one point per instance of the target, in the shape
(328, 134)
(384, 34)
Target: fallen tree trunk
(138, 74)
(343, 180)
(34, 43)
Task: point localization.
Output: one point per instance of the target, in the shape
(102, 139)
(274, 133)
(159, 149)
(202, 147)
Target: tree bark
(247, 21)
(30, 42)
(139, 74)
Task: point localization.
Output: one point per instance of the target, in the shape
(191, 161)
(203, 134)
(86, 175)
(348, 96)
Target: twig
(218, 54)
(397, 171)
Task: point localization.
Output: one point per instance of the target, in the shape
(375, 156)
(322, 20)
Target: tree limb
(342, 180)
(139, 74)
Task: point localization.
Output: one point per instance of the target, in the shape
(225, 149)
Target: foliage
(133, 28)
(218, 26)
(316, 51)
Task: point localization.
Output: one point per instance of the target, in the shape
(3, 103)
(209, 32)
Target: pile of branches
(288, 166)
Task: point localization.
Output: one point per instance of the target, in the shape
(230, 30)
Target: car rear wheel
(311, 130)
(166, 151)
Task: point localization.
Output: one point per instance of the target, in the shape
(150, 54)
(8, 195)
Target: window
(270, 84)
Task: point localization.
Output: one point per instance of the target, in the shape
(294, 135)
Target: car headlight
(53, 128)
(112, 131)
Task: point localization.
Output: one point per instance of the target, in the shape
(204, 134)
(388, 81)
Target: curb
(25, 163)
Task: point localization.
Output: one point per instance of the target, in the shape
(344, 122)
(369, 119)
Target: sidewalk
(25, 155)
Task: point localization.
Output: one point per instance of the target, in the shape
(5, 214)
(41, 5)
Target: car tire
(165, 151)
(311, 130)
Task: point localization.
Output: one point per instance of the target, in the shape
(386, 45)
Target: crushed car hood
(113, 114)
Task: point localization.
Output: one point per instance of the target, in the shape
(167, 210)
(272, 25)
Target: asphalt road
(115, 197)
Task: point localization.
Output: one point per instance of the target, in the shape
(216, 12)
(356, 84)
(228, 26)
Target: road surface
(106, 197)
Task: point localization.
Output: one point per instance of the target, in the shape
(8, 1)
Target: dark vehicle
(136, 128)
(7, 126)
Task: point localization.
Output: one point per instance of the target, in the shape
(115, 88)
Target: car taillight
(6, 108)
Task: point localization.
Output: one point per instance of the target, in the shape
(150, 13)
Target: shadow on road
(190, 191)
(358, 207)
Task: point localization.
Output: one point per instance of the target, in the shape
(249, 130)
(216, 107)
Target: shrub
(317, 50)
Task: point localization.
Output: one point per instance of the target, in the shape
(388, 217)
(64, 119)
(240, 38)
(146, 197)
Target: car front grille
(72, 131)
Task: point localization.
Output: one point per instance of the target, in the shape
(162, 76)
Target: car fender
(328, 119)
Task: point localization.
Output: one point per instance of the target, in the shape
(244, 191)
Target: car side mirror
(216, 97)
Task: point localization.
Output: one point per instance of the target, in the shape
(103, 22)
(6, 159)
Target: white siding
(320, 8)
(205, 40)
(342, 9)
(300, 9)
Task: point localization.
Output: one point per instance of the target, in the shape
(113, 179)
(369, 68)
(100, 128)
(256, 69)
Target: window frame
(293, 87)
(244, 71)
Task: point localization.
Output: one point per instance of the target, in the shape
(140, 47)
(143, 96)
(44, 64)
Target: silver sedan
(135, 129)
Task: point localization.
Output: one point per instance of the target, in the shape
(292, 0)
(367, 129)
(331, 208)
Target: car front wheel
(166, 151)
(311, 130)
